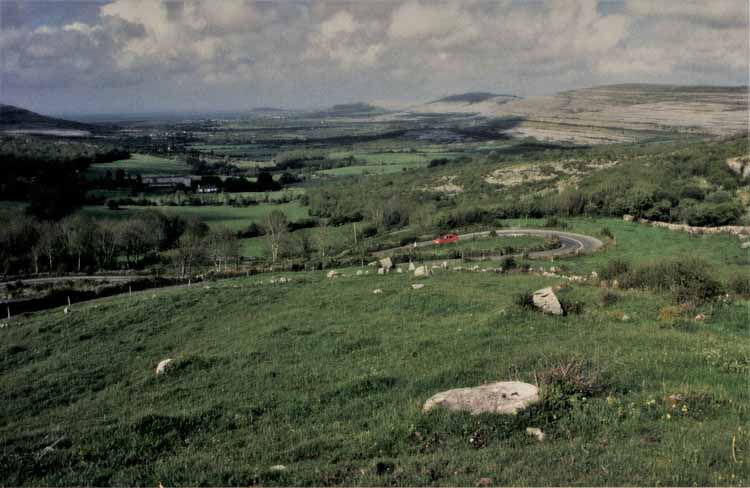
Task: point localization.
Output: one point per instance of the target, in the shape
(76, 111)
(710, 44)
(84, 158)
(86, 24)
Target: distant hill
(354, 108)
(17, 119)
(470, 97)
(610, 113)
(359, 109)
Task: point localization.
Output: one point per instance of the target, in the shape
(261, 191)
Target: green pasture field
(143, 164)
(327, 379)
(234, 218)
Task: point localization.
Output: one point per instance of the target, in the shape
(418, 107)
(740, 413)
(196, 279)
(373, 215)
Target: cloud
(731, 12)
(443, 25)
(410, 49)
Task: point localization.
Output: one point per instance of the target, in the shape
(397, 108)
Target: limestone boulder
(422, 272)
(411, 266)
(546, 300)
(332, 274)
(163, 366)
(504, 397)
(386, 264)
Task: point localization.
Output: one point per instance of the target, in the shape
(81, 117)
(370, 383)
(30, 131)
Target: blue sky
(150, 55)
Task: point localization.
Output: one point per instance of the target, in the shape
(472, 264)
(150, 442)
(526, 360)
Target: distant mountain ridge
(471, 97)
(14, 118)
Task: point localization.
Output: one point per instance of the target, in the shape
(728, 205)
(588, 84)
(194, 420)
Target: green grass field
(328, 379)
(234, 218)
(143, 164)
(379, 163)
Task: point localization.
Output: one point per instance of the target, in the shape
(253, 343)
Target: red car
(447, 238)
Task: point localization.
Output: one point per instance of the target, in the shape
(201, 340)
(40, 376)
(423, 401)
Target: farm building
(169, 181)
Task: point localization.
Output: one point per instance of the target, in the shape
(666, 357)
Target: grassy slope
(328, 379)
(231, 217)
(143, 164)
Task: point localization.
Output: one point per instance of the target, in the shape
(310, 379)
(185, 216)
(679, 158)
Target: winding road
(571, 244)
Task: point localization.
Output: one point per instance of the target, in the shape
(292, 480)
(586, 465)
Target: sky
(134, 56)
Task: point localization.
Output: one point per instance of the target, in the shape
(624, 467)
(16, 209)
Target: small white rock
(417, 286)
(163, 365)
(278, 467)
(377, 291)
(536, 432)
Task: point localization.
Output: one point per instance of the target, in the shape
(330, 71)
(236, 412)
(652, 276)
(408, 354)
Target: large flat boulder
(547, 301)
(504, 397)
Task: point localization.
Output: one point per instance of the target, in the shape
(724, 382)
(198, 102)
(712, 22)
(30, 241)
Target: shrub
(554, 222)
(668, 314)
(614, 269)
(608, 297)
(690, 279)
(573, 376)
(571, 307)
(524, 300)
(739, 284)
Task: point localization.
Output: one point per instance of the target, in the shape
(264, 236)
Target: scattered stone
(377, 291)
(277, 468)
(360, 272)
(700, 317)
(745, 245)
(444, 264)
(381, 271)
(411, 266)
(504, 397)
(594, 275)
(386, 264)
(66, 310)
(399, 270)
(603, 284)
(628, 218)
(332, 274)
(536, 432)
(417, 286)
(674, 399)
(547, 301)
(615, 284)
(625, 317)
(422, 272)
(484, 482)
(163, 366)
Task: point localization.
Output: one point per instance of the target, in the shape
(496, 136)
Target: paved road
(571, 244)
(58, 279)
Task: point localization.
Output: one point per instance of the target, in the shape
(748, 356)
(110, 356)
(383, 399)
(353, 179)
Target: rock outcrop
(546, 300)
(504, 397)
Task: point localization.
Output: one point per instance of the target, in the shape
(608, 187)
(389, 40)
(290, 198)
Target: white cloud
(382, 49)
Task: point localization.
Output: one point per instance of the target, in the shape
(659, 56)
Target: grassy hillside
(328, 379)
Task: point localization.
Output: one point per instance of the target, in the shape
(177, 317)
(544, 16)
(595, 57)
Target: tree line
(79, 243)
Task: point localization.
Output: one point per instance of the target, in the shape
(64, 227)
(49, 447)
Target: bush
(614, 269)
(573, 377)
(690, 279)
(554, 222)
(571, 307)
(608, 297)
(739, 284)
(524, 300)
